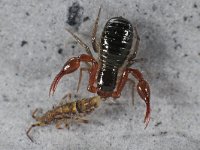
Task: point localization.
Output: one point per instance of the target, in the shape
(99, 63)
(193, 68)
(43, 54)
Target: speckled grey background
(34, 46)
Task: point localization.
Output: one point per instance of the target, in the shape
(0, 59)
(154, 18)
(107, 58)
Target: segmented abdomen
(116, 42)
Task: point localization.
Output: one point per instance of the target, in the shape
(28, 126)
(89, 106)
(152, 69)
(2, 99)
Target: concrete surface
(34, 46)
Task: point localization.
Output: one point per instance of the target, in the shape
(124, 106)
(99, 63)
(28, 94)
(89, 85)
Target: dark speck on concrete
(195, 5)
(185, 55)
(75, 15)
(174, 32)
(43, 41)
(157, 76)
(185, 18)
(137, 6)
(177, 46)
(175, 40)
(177, 74)
(163, 133)
(16, 74)
(27, 13)
(181, 134)
(5, 98)
(199, 54)
(147, 37)
(86, 19)
(198, 27)
(23, 43)
(145, 13)
(73, 46)
(60, 51)
(154, 7)
(157, 124)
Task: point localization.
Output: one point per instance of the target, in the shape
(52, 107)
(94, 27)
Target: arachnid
(108, 73)
(64, 113)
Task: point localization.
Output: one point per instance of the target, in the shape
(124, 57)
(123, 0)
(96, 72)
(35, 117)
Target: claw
(147, 116)
(69, 67)
(55, 82)
(144, 92)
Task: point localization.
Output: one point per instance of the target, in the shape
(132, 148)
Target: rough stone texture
(34, 46)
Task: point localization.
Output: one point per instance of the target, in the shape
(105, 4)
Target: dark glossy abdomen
(116, 42)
